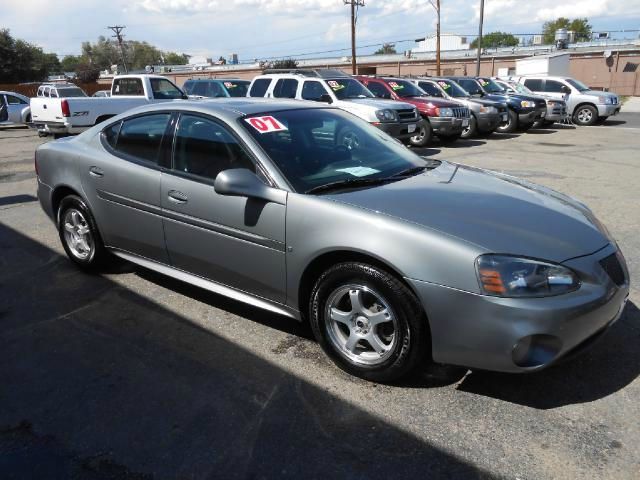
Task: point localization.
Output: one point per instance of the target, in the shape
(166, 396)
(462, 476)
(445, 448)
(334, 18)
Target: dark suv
(216, 87)
(524, 110)
(444, 118)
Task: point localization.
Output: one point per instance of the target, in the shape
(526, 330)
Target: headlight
(488, 110)
(445, 112)
(527, 104)
(505, 276)
(386, 115)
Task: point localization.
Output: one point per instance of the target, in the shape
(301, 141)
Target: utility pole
(117, 29)
(355, 4)
(436, 6)
(480, 38)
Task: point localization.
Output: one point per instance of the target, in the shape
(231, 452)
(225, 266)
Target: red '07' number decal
(266, 124)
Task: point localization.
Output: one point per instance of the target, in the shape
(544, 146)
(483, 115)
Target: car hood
(595, 93)
(438, 102)
(486, 102)
(380, 104)
(497, 212)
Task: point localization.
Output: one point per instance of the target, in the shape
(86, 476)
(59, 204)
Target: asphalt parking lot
(133, 375)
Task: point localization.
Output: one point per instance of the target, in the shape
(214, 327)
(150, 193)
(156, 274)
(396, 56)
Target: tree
(578, 25)
(21, 61)
(287, 63)
(86, 73)
(70, 63)
(496, 40)
(172, 58)
(386, 49)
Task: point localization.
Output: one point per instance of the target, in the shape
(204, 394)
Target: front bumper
(447, 126)
(608, 110)
(556, 113)
(522, 334)
(488, 122)
(532, 115)
(401, 130)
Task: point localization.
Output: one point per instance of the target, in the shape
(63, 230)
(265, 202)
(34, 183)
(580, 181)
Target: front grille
(612, 266)
(461, 112)
(406, 114)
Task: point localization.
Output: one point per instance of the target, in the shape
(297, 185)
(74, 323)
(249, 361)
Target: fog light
(536, 350)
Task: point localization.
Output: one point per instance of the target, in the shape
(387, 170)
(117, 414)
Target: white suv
(398, 119)
(586, 106)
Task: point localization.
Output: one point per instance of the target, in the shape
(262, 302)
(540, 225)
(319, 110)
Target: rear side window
(127, 86)
(141, 137)
(110, 134)
(285, 88)
(533, 84)
(259, 87)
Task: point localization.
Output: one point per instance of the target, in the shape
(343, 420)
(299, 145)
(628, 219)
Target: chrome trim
(209, 285)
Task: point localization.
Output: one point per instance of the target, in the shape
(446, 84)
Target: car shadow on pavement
(460, 143)
(501, 136)
(539, 131)
(15, 199)
(609, 365)
(613, 123)
(102, 382)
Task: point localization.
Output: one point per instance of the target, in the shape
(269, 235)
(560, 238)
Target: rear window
(70, 92)
(127, 86)
(259, 87)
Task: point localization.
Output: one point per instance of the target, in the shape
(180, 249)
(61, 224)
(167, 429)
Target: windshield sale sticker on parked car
(395, 86)
(266, 124)
(444, 85)
(358, 171)
(229, 85)
(335, 85)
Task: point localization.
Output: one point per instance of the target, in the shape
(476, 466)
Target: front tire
(510, 125)
(368, 322)
(423, 137)
(472, 129)
(79, 234)
(585, 115)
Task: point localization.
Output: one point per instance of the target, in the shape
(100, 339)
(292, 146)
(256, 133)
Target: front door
(123, 185)
(4, 114)
(235, 241)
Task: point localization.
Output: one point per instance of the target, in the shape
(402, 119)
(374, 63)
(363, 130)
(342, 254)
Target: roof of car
(218, 80)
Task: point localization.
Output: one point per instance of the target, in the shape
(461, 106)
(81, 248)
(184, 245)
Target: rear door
(123, 184)
(235, 241)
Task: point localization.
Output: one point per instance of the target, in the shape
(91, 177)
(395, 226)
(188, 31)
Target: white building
(448, 41)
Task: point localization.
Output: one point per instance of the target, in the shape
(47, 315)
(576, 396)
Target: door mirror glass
(241, 182)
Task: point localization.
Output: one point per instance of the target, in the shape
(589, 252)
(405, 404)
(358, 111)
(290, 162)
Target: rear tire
(510, 125)
(368, 322)
(585, 115)
(423, 138)
(79, 234)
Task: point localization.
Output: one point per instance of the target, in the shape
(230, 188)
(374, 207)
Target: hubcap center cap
(362, 325)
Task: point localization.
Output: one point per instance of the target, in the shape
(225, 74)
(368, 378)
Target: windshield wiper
(348, 183)
(430, 165)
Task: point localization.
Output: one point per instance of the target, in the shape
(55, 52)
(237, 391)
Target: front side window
(379, 90)
(348, 88)
(205, 148)
(285, 88)
(318, 146)
(312, 90)
(470, 86)
(141, 137)
(13, 100)
(554, 86)
(260, 87)
(127, 86)
(163, 89)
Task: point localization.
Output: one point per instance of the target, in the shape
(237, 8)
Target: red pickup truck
(444, 118)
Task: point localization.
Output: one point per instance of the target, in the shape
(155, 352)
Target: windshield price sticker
(395, 86)
(229, 85)
(484, 83)
(266, 124)
(444, 85)
(335, 85)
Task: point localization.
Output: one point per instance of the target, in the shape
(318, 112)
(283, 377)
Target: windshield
(70, 92)
(405, 89)
(317, 146)
(453, 89)
(237, 88)
(345, 88)
(490, 86)
(577, 84)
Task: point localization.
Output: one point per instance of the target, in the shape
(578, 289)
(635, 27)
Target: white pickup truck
(59, 116)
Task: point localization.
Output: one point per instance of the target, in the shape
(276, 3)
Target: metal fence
(30, 89)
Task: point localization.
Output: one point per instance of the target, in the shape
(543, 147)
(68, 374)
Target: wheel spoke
(356, 301)
(379, 317)
(376, 343)
(352, 342)
(74, 219)
(340, 316)
(83, 230)
(69, 228)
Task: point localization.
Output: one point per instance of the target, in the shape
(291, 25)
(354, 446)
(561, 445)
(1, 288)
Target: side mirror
(240, 182)
(566, 89)
(325, 98)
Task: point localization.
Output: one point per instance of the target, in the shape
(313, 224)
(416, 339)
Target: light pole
(480, 38)
(354, 18)
(436, 7)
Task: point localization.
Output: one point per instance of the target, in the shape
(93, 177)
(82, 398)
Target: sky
(280, 28)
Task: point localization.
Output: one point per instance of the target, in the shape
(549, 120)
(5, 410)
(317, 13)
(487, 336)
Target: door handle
(96, 172)
(177, 197)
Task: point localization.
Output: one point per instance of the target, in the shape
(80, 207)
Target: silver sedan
(390, 257)
(14, 109)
